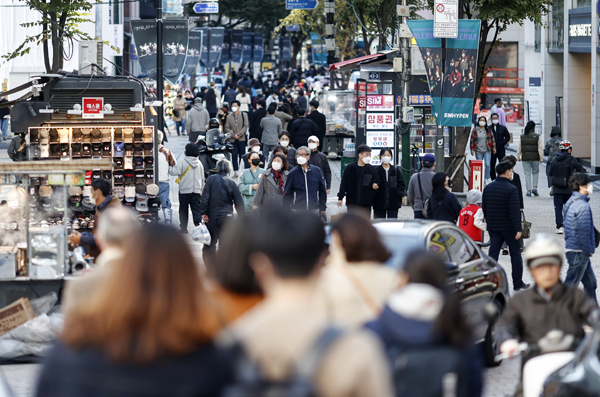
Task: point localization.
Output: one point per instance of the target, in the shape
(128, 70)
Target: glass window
(453, 246)
(555, 29)
(538, 38)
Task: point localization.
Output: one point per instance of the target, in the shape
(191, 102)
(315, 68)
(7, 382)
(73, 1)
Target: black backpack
(434, 371)
(250, 383)
(561, 172)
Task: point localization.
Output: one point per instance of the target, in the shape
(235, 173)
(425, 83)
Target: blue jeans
(487, 159)
(180, 125)
(4, 128)
(165, 201)
(580, 270)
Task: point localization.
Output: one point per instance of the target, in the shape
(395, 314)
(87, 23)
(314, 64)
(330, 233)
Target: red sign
(92, 108)
(476, 177)
(362, 103)
(380, 102)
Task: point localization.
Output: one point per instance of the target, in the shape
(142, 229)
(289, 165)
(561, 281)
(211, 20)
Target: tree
(263, 15)
(59, 21)
(495, 16)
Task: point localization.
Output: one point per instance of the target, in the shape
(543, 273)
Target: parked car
(477, 279)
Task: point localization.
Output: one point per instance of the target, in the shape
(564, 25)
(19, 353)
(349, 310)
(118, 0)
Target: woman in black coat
(443, 205)
(391, 188)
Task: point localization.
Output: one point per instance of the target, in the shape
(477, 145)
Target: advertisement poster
(144, 35)
(194, 48)
(175, 36)
(247, 42)
(380, 121)
(380, 139)
(258, 47)
(216, 43)
(236, 45)
(361, 88)
(380, 103)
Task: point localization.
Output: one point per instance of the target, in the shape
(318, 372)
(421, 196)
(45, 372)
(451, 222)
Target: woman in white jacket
(244, 99)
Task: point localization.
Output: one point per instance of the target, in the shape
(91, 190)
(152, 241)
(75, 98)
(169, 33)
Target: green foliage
(262, 15)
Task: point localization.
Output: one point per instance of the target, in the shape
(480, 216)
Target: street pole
(230, 44)
(405, 135)
(439, 136)
(330, 39)
(159, 83)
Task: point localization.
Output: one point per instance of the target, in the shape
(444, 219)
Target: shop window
(581, 3)
(538, 38)
(556, 21)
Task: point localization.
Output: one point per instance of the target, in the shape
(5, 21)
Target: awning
(351, 62)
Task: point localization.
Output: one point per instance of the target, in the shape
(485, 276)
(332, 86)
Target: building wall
(577, 106)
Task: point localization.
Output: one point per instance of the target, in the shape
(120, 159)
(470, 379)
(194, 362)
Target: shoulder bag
(425, 202)
(525, 227)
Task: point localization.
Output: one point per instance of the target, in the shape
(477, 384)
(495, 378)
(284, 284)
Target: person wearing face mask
(249, 180)
(253, 147)
(271, 129)
(359, 183)
(483, 144)
(500, 206)
(301, 129)
(272, 184)
(179, 106)
(305, 188)
(236, 126)
(443, 204)
(320, 160)
(580, 237)
(502, 137)
(284, 141)
(388, 198)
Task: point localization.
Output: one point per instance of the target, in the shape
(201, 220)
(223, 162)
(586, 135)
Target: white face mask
(284, 143)
(312, 146)
(276, 165)
(234, 109)
(482, 123)
(256, 149)
(386, 159)
(366, 160)
(301, 160)
(590, 190)
(495, 121)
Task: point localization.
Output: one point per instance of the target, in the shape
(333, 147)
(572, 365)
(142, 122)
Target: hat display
(76, 135)
(45, 191)
(106, 149)
(86, 135)
(137, 134)
(148, 149)
(44, 136)
(138, 163)
(139, 177)
(76, 150)
(138, 149)
(86, 149)
(119, 177)
(128, 135)
(105, 135)
(152, 190)
(149, 176)
(44, 151)
(96, 149)
(88, 204)
(128, 163)
(118, 135)
(141, 203)
(140, 189)
(87, 191)
(63, 135)
(119, 149)
(128, 149)
(130, 194)
(54, 150)
(53, 135)
(148, 135)
(96, 135)
(119, 192)
(64, 151)
(153, 204)
(96, 174)
(128, 177)
(119, 163)
(106, 174)
(88, 177)
(148, 162)
(34, 151)
(74, 191)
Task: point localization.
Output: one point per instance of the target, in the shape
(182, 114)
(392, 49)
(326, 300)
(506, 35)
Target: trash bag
(32, 338)
(201, 234)
(44, 304)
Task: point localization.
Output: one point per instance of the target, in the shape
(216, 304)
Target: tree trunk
(45, 47)
(461, 140)
(365, 35)
(62, 22)
(296, 48)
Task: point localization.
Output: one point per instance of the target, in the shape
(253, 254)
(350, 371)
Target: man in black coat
(260, 112)
(503, 216)
(319, 119)
(502, 137)
(301, 129)
(320, 160)
(359, 183)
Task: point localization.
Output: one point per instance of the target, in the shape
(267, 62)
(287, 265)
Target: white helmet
(543, 247)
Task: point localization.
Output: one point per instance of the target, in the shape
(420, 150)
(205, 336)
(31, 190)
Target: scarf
(278, 177)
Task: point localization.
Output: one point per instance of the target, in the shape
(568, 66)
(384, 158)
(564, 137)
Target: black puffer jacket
(300, 130)
(501, 206)
(220, 194)
(320, 160)
(446, 208)
(560, 170)
(357, 185)
(390, 192)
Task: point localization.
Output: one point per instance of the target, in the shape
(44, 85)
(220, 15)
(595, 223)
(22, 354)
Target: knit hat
(474, 196)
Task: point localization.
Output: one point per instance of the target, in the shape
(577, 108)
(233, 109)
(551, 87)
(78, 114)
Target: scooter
(213, 147)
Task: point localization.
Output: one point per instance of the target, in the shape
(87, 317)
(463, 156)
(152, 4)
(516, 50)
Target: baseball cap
(119, 192)
(128, 135)
(45, 191)
(198, 100)
(140, 189)
(119, 149)
(313, 138)
(152, 189)
(138, 163)
(428, 159)
(74, 191)
(128, 163)
(63, 134)
(87, 191)
(130, 194)
(547, 260)
(141, 203)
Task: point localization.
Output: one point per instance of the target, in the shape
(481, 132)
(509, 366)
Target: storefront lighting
(137, 108)
(76, 109)
(107, 109)
(46, 110)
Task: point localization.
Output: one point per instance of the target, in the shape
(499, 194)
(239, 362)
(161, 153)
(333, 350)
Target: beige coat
(277, 335)
(179, 104)
(238, 127)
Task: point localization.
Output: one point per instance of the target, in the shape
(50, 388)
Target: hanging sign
(380, 102)
(380, 121)
(92, 108)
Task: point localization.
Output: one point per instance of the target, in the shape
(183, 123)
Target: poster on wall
(380, 103)
(175, 35)
(258, 47)
(380, 121)
(226, 47)
(375, 158)
(286, 49)
(380, 139)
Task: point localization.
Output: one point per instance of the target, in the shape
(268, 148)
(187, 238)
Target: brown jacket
(237, 128)
(180, 105)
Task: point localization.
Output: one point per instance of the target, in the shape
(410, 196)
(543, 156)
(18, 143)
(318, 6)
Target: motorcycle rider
(213, 135)
(549, 306)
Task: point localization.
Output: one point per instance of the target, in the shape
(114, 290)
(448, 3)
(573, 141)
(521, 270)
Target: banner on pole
(286, 49)
(175, 43)
(247, 43)
(204, 51)
(236, 45)
(226, 47)
(194, 48)
(216, 44)
(144, 36)
(258, 47)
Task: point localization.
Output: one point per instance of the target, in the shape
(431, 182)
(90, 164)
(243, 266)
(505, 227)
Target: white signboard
(380, 139)
(380, 121)
(445, 19)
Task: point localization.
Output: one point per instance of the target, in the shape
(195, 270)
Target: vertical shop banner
(204, 47)
(216, 44)
(286, 49)
(247, 42)
(461, 75)
(226, 47)
(431, 52)
(175, 44)
(194, 48)
(258, 47)
(236, 45)
(144, 36)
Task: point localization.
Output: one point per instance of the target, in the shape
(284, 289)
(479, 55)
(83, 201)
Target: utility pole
(330, 39)
(403, 32)
(439, 135)
(159, 82)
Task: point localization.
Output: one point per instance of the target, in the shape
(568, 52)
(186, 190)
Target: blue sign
(301, 4)
(206, 8)
(293, 28)
(373, 75)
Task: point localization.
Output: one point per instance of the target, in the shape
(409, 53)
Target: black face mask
(255, 161)
(178, 96)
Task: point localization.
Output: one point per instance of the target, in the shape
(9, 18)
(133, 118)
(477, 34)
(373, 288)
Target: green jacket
(245, 183)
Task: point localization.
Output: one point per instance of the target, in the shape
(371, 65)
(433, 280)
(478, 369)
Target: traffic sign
(445, 19)
(206, 8)
(293, 28)
(301, 4)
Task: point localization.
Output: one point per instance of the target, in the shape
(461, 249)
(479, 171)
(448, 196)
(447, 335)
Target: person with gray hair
(220, 195)
(113, 232)
(305, 188)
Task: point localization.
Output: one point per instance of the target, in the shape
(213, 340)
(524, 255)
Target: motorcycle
(213, 147)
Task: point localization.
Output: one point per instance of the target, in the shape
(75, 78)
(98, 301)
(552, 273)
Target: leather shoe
(523, 286)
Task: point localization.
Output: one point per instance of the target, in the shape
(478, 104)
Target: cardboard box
(15, 314)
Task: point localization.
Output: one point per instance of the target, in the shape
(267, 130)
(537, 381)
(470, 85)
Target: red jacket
(466, 221)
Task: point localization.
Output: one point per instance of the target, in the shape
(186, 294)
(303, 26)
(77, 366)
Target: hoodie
(197, 119)
(193, 180)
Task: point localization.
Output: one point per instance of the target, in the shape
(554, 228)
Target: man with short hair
(236, 126)
(320, 160)
(359, 182)
(197, 120)
(301, 129)
(230, 94)
(503, 217)
(580, 238)
(319, 119)
(502, 137)
(420, 186)
(271, 129)
(286, 256)
(560, 170)
(274, 97)
(305, 188)
(500, 112)
(256, 130)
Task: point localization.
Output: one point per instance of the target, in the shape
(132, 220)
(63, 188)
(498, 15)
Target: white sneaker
(560, 230)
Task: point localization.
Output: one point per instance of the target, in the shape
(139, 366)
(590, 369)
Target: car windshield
(400, 246)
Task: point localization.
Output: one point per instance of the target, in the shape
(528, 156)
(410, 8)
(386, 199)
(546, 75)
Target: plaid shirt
(489, 138)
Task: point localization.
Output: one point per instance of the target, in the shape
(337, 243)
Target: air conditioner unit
(90, 57)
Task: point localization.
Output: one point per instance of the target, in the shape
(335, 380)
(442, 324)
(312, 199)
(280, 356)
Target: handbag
(525, 227)
(201, 234)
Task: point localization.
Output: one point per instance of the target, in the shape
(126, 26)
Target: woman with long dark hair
(443, 204)
(147, 329)
(244, 99)
(483, 144)
(210, 101)
(532, 154)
